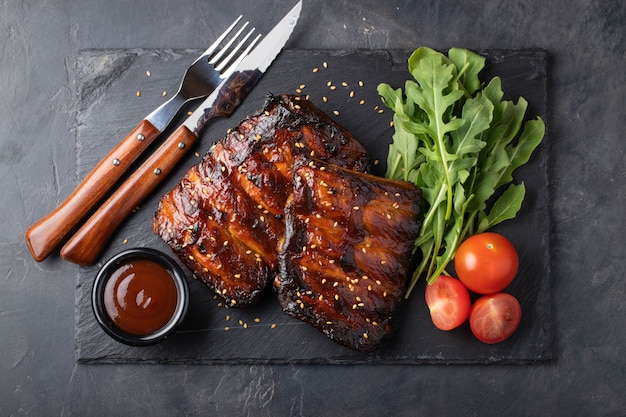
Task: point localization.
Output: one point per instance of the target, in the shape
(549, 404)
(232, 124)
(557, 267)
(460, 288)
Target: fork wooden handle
(49, 232)
(85, 246)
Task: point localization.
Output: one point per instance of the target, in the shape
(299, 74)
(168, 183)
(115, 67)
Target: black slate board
(108, 107)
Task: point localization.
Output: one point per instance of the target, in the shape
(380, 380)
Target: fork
(200, 79)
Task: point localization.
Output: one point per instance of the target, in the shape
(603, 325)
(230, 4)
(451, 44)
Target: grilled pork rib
(345, 259)
(225, 218)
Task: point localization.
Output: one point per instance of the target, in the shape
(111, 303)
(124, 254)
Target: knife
(85, 246)
(49, 232)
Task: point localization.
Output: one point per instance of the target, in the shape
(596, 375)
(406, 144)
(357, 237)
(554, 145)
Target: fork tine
(233, 65)
(237, 49)
(211, 49)
(223, 50)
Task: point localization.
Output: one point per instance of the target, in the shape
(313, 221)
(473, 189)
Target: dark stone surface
(116, 76)
(584, 40)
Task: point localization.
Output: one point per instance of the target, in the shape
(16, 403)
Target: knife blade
(85, 246)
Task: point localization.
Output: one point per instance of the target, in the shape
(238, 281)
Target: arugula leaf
(459, 141)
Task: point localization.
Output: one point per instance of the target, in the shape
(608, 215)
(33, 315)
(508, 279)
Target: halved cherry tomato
(448, 301)
(495, 317)
(486, 263)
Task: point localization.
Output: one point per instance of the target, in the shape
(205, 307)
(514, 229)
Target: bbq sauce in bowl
(140, 296)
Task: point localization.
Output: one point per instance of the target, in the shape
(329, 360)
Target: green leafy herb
(458, 141)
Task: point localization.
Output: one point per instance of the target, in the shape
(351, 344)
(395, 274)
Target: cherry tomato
(486, 263)
(448, 301)
(495, 317)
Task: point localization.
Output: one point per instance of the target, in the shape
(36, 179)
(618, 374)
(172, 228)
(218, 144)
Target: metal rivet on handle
(116, 161)
(140, 137)
(157, 171)
(181, 145)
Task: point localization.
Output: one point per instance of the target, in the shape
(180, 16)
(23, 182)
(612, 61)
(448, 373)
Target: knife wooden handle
(85, 246)
(49, 232)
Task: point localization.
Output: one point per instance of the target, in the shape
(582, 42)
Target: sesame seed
(378, 282)
(164, 93)
(257, 320)
(335, 284)
(328, 84)
(352, 93)
(219, 266)
(329, 322)
(225, 243)
(138, 93)
(298, 90)
(325, 64)
(362, 102)
(227, 317)
(332, 87)
(302, 86)
(148, 73)
(360, 83)
(125, 241)
(316, 69)
(226, 328)
(336, 113)
(323, 280)
(325, 99)
(353, 306)
(383, 262)
(345, 84)
(365, 336)
(273, 326)
(381, 111)
(355, 208)
(336, 296)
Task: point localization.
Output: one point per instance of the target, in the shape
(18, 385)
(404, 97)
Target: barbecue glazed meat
(225, 218)
(345, 260)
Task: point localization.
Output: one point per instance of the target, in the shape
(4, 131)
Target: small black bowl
(98, 304)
